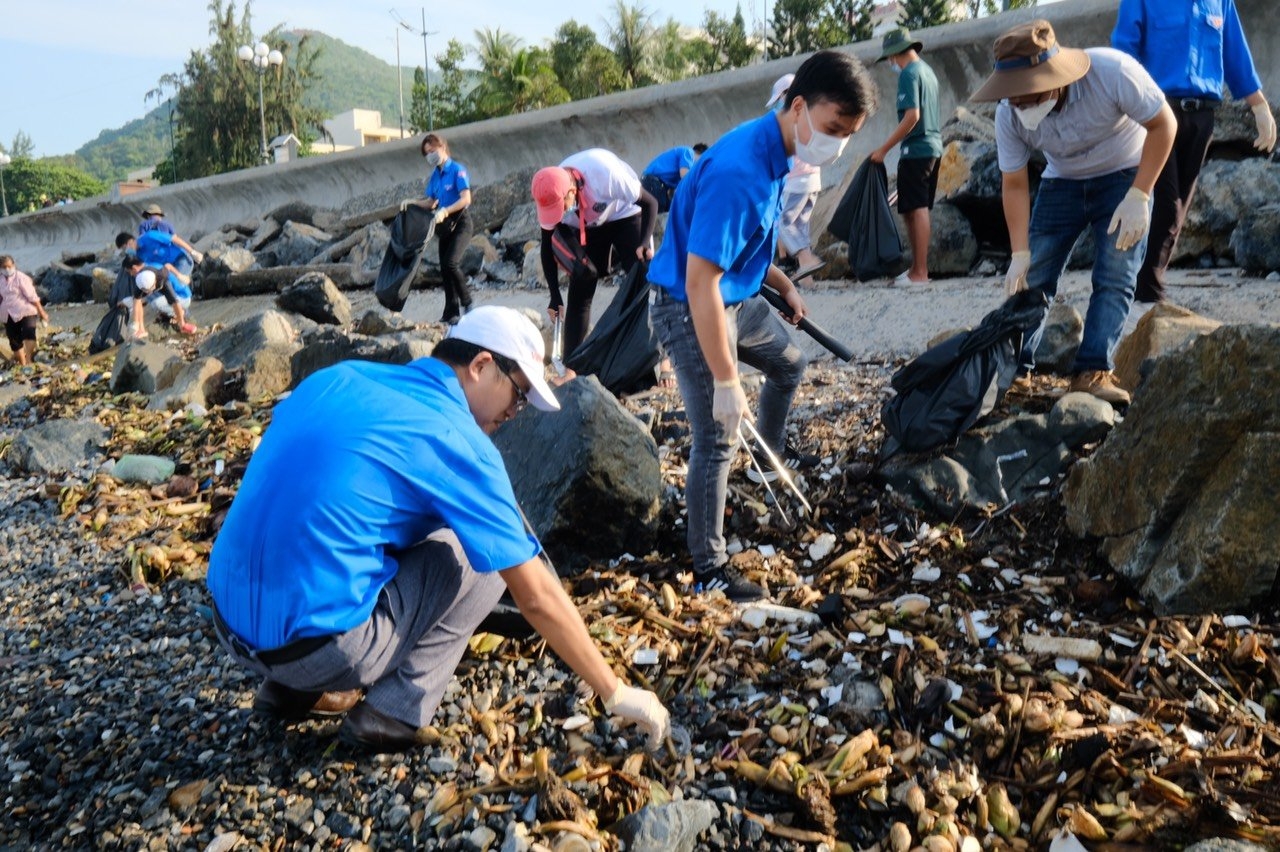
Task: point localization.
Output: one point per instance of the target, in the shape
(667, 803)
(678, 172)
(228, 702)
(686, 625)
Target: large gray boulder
(61, 284)
(58, 446)
(1182, 494)
(522, 225)
(1227, 194)
(586, 475)
(1012, 460)
(1256, 240)
(143, 367)
(298, 243)
(195, 383)
(494, 204)
(211, 278)
(366, 255)
(315, 297)
(1063, 332)
(234, 344)
(331, 345)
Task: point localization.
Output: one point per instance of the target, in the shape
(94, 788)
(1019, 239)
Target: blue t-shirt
(154, 223)
(1190, 47)
(726, 211)
(447, 182)
(667, 165)
(362, 460)
(156, 248)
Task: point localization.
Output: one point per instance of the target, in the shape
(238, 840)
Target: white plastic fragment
(988, 562)
(1067, 666)
(979, 618)
(576, 721)
(1194, 738)
(1235, 621)
(1256, 709)
(926, 573)
(1120, 639)
(1065, 841)
(768, 551)
(833, 693)
(1061, 646)
(821, 547)
(897, 637)
(785, 614)
(1118, 714)
(646, 657)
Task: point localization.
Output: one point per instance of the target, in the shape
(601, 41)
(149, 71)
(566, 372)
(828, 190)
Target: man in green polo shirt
(917, 132)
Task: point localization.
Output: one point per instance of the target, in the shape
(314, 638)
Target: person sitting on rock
(375, 529)
(20, 304)
(1105, 131)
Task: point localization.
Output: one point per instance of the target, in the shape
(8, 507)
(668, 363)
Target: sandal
(808, 270)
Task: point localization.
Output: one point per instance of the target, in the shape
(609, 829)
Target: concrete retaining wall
(637, 125)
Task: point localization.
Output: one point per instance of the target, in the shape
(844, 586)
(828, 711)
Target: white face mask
(1032, 116)
(433, 159)
(822, 149)
(895, 67)
(7, 273)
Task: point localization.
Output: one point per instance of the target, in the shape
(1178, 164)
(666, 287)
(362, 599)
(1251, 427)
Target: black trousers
(1173, 193)
(611, 247)
(453, 235)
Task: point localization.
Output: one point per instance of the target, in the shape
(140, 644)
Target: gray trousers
(408, 649)
(761, 340)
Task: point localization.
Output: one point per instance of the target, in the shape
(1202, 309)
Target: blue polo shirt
(361, 461)
(447, 182)
(667, 165)
(156, 248)
(154, 223)
(726, 211)
(1190, 47)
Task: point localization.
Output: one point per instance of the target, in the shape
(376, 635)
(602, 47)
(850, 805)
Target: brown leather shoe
(1100, 384)
(283, 702)
(372, 730)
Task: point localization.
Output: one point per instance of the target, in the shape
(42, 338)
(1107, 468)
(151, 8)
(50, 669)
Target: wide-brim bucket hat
(898, 40)
(1029, 60)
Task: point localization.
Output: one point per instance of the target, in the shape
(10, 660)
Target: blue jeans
(1063, 209)
(762, 341)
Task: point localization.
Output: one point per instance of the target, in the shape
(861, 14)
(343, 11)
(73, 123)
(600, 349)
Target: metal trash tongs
(557, 346)
(778, 465)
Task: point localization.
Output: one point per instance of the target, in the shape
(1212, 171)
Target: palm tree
(631, 35)
(495, 49)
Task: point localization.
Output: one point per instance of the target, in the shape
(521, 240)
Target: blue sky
(86, 65)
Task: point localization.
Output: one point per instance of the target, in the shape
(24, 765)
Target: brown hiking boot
(1101, 384)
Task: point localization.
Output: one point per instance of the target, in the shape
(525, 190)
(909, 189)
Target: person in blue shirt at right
(664, 173)
(721, 236)
(1191, 48)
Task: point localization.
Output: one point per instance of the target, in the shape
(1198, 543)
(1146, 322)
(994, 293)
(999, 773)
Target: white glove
(197, 256)
(404, 205)
(441, 215)
(1015, 280)
(1132, 219)
(643, 708)
(1266, 127)
(729, 406)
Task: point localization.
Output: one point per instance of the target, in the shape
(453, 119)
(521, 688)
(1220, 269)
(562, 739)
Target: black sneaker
(729, 580)
(792, 458)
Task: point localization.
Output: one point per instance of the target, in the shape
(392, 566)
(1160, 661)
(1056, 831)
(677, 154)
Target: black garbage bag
(111, 331)
(412, 228)
(865, 220)
(945, 390)
(622, 350)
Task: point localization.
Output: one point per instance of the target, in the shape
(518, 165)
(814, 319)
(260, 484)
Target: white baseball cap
(146, 281)
(511, 334)
(780, 87)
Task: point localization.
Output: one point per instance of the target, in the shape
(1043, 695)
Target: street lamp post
(426, 61)
(5, 160)
(262, 57)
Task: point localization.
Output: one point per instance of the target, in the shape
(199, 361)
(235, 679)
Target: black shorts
(659, 190)
(20, 330)
(917, 183)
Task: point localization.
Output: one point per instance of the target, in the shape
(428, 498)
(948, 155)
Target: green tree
(218, 126)
(28, 182)
(631, 36)
(728, 46)
(21, 148)
(451, 101)
(918, 14)
(675, 57)
(584, 67)
(978, 8)
(795, 27)
(525, 82)
(845, 22)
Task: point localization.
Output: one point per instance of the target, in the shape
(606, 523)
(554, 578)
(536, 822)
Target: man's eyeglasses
(505, 366)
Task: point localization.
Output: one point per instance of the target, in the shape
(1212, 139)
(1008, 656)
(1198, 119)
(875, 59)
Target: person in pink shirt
(20, 305)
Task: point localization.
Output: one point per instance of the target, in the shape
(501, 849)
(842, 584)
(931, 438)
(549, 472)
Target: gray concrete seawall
(636, 125)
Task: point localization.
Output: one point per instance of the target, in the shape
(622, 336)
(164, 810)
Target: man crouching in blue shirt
(721, 235)
(376, 527)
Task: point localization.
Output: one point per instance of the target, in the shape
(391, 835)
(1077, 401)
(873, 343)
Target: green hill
(349, 78)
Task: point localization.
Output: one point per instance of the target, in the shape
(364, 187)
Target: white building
(355, 128)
